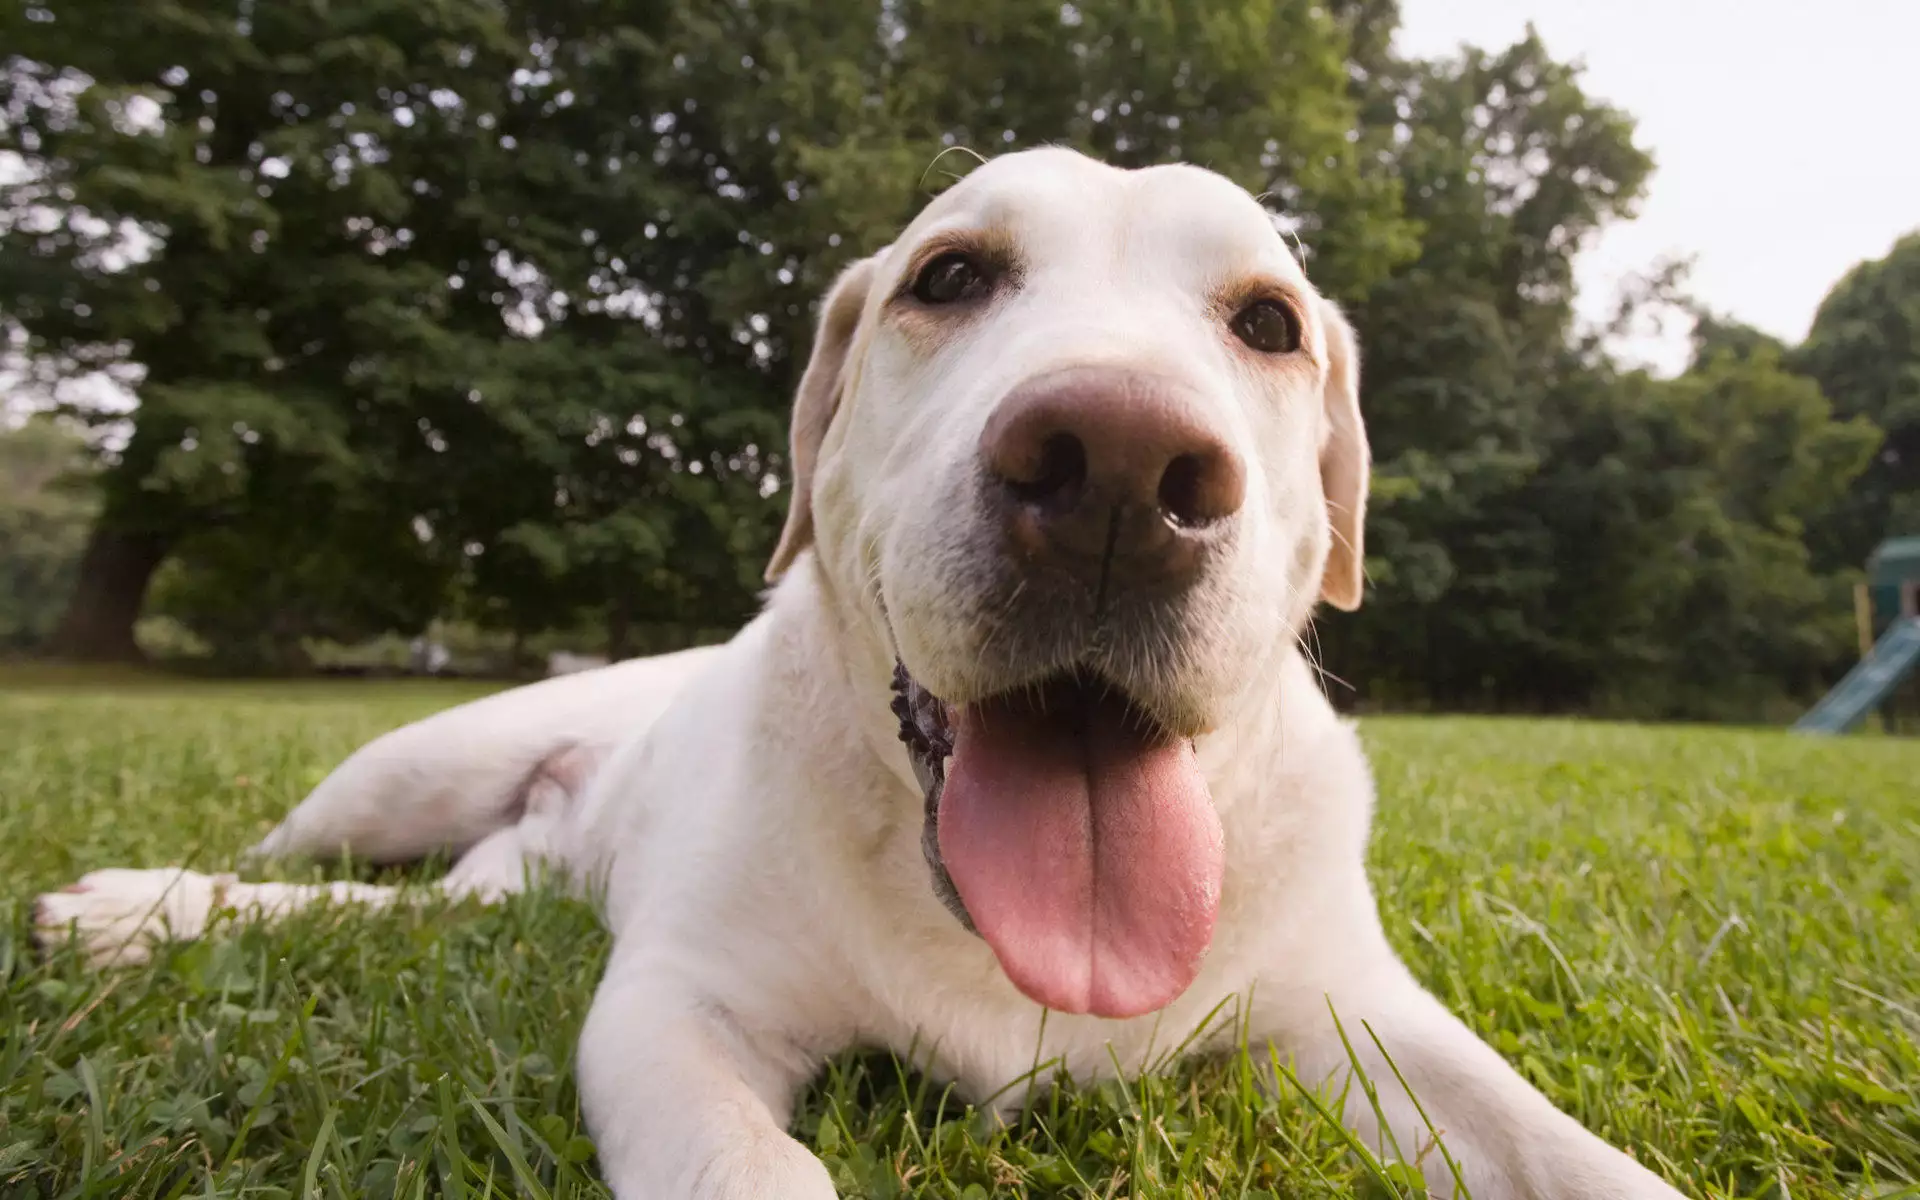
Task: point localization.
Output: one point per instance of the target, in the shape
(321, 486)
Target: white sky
(1786, 137)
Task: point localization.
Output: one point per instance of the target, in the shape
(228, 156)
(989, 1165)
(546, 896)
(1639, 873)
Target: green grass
(1704, 943)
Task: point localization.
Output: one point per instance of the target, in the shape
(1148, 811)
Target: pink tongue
(1087, 852)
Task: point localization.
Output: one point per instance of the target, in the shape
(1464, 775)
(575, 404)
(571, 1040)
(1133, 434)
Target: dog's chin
(1071, 829)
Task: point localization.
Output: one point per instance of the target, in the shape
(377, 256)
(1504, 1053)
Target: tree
(46, 507)
(221, 196)
(1864, 350)
(1714, 335)
(1676, 511)
(1508, 167)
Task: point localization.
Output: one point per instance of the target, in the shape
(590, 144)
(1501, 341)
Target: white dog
(1023, 730)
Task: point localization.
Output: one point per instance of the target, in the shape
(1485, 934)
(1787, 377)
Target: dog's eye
(948, 278)
(1268, 326)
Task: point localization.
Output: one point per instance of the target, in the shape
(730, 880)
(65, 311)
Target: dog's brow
(992, 241)
(1239, 290)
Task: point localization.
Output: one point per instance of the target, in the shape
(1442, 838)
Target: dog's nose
(1111, 471)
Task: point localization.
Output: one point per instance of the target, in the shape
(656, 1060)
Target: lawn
(1704, 943)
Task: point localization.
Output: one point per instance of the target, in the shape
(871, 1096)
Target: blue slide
(1868, 684)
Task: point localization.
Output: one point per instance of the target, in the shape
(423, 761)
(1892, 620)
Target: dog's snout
(1104, 467)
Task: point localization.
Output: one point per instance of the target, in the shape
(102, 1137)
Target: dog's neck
(858, 656)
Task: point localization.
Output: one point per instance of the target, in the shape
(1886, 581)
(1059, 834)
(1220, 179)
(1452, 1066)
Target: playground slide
(1892, 658)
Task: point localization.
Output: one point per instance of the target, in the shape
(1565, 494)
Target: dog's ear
(1345, 463)
(815, 402)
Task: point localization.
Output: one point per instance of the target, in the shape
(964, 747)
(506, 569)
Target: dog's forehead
(1056, 205)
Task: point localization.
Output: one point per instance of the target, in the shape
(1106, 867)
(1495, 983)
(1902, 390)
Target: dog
(1022, 750)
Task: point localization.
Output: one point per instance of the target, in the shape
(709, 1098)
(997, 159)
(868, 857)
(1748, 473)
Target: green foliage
(1698, 942)
(1715, 335)
(220, 198)
(305, 577)
(1507, 167)
(1549, 531)
(1676, 511)
(1649, 558)
(46, 508)
(1864, 350)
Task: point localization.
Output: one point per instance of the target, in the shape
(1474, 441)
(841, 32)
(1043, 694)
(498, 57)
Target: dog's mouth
(1073, 834)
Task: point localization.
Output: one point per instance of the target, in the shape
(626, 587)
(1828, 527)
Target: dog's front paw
(757, 1166)
(117, 916)
(1598, 1171)
(791, 1172)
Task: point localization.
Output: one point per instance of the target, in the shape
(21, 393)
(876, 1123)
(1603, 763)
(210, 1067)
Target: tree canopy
(47, 505)
(1864, 351)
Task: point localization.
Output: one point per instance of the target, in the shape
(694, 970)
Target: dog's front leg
(1505, 1139)
(687, 1102)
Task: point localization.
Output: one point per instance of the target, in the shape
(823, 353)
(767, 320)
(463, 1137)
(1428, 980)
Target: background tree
(1715, 335)
(1508, 168)
(1676, 508)
(218, 194)
(47, 505)
(1864, 351)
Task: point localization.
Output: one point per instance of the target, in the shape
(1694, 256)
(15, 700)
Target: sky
(1785, 137)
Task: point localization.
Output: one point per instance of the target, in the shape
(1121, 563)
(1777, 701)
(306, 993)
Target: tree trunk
(107, 597)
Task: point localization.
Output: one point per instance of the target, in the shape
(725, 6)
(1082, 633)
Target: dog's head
(1081, 448)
